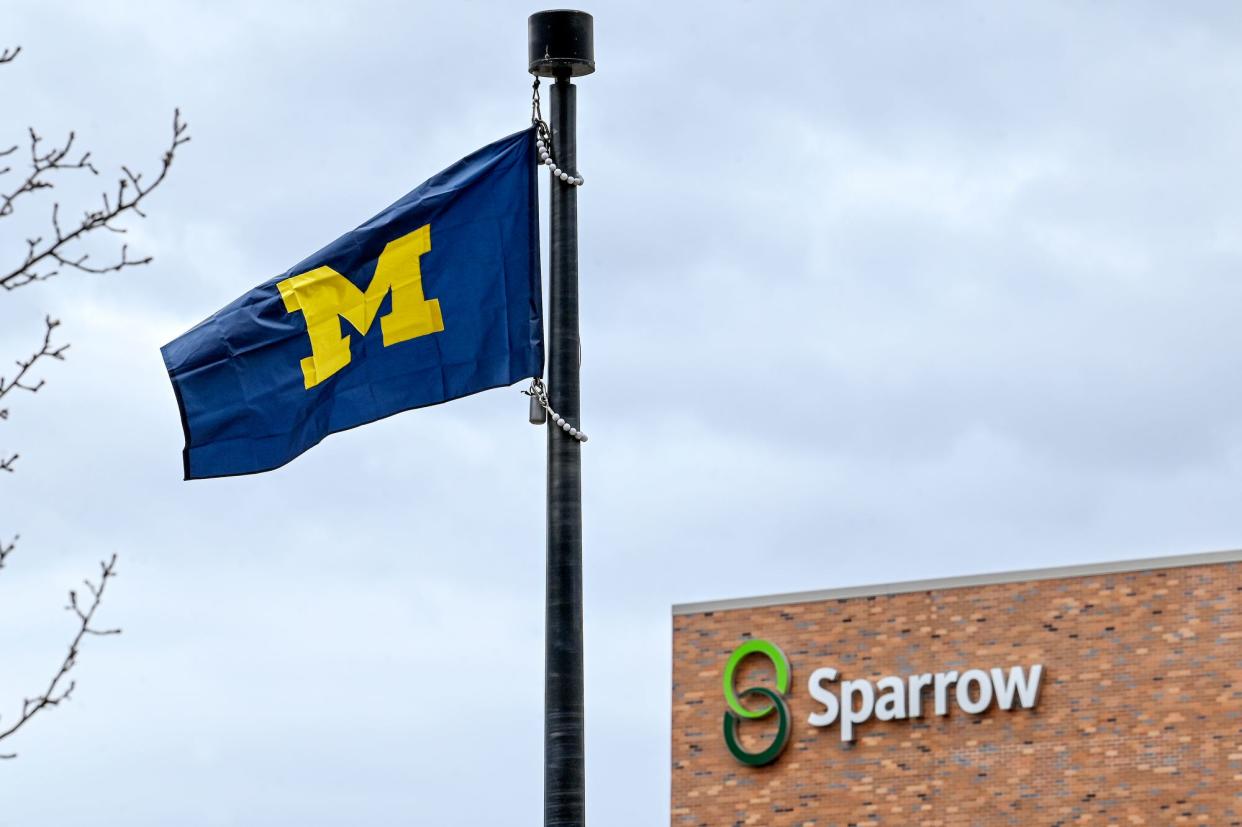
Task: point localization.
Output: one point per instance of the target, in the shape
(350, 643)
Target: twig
(42, 164)
(46, 351)
(54, 695)
(19, 381)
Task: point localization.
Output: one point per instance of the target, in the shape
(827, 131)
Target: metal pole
(561, 47)
(564, 786)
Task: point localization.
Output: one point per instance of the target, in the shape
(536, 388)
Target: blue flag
(435, 298)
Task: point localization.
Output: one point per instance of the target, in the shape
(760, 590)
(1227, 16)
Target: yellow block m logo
(325, 297)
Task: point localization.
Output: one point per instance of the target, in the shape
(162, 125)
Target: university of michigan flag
(435, 298)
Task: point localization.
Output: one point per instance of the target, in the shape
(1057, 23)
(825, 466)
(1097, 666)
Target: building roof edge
(939, 583)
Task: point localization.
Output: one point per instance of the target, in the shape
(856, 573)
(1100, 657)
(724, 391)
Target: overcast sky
(870, 291)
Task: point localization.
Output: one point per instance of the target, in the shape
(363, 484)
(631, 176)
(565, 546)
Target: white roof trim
(1087, 570)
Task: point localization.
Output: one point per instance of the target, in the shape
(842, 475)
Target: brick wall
(1139, 720)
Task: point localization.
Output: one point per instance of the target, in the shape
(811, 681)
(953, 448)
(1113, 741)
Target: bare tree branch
(47, 350)
(46, 256)
(54, 694)
(42, 164)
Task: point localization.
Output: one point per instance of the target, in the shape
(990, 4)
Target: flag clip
(541, 411)
(538, 415)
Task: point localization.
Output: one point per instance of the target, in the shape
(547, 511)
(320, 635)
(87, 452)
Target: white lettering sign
(974, 691)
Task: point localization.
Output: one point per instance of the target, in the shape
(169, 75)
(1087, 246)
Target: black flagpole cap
(561, 41)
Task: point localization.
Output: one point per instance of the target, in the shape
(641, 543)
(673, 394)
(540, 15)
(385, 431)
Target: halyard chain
(540, 395)
(543, 145)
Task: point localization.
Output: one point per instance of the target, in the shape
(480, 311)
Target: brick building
(1133, 673)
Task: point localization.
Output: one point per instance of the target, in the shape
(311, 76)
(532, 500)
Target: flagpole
(561, 47)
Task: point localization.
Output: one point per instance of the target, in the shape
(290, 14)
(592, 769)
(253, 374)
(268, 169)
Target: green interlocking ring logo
(736, 712)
